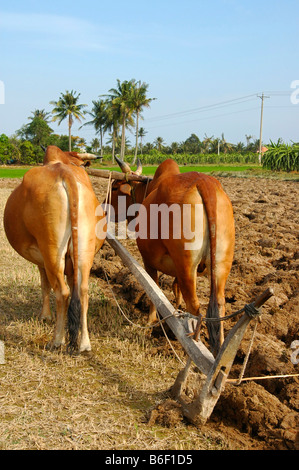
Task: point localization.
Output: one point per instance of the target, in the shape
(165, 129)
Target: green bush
(28, 156)
(8, 150)
(281, 157)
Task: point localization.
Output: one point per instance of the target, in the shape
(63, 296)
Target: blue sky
(205, 62)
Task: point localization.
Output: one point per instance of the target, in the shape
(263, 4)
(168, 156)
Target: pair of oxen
(52, 218)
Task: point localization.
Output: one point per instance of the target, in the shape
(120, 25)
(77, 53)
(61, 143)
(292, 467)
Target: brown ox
(172, 254)
(50, 220)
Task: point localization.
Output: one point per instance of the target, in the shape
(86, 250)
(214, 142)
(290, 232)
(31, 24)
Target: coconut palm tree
(122, 99)
(140, 101)
(112, 124)
(41, 114)
(174, 147)
(95, 144)
(206, 143)
(141, 133)
(67, 107)
(159, 143)
(99, 115)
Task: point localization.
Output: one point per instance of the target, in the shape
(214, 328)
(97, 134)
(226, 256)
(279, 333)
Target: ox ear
(125, 189)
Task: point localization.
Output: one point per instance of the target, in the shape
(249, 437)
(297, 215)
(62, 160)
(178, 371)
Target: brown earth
(256, 414)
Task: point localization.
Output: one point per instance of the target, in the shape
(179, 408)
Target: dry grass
(49, 400)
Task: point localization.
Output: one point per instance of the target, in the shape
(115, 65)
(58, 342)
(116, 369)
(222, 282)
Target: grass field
(13, 172)
(220, 170)
(150, 169)
(147, 170)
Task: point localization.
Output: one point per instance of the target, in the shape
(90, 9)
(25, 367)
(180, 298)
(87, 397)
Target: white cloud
(47, 30)
(42, 23)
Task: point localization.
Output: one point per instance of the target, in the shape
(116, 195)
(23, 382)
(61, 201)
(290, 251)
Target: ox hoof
(55, 345)
(85, 348)
(47, 320)
(44, 317)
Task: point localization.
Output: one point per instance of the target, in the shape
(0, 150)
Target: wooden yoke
(116, 175)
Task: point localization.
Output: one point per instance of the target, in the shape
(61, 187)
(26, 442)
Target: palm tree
(248, 139)
(206, 144)
(41, 114)
(174, 147)
(159, 143)
(240, 147)
(99, 115)
(141, 133)
(227, 147)
(122, 99)
(67, 107)
(140, 101)
(95, 144)
(112, 123)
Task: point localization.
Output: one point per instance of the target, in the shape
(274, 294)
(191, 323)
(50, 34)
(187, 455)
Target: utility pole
(261, 125)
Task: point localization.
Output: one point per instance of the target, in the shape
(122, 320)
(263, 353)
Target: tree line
(112, 113)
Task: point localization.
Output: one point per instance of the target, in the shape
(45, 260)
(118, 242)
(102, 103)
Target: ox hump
(54, 155)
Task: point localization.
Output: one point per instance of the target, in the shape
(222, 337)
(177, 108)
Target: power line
(203, 118)
(218, 105)
(204, 108)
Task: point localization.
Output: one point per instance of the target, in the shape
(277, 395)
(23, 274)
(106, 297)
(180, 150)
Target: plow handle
(261, 299)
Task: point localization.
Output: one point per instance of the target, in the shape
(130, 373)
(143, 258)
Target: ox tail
(73, 321)
(207, 189)
(74, 309)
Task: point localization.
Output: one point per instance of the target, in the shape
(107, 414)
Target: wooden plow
(216, 369)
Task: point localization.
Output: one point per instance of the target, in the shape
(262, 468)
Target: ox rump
(50, 220)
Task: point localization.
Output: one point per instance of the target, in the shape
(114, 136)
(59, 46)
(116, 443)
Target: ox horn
(139, 168)
(87, 156)
(123, 165)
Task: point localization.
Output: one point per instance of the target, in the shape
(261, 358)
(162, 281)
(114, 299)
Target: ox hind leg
(84, 341)
(186, 279)
(222, 273)
(84, 344)
(46, 290)
(177, 293)
(61, 291)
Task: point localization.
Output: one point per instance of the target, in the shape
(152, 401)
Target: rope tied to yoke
(249, 309)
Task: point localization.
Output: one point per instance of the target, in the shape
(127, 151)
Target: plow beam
(216, 370)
